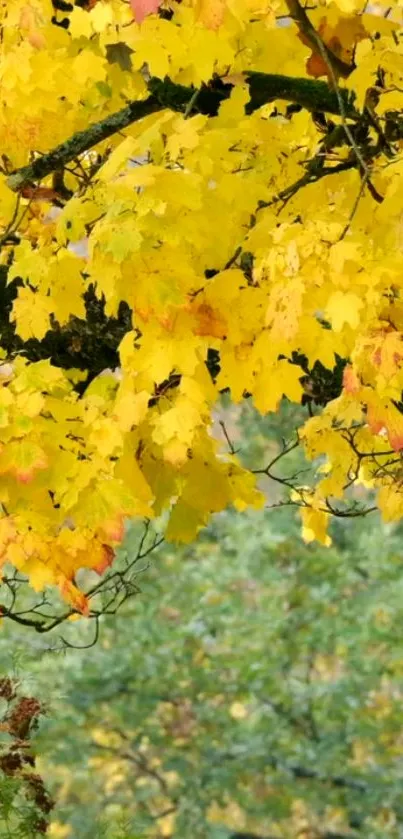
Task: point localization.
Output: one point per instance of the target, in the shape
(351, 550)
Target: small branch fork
(291, 482)
(108, 595)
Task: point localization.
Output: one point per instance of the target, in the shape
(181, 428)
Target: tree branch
(333, 780)
(81, 142)
(308, 93)
(306, 773)
(311, 94)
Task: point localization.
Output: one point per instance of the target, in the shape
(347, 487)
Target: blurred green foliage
(254, 686)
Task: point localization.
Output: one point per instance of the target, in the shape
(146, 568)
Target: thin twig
(354, 208)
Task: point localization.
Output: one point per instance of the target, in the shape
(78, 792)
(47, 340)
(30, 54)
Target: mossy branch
(263, 87)
(311, 94)
(80, 142)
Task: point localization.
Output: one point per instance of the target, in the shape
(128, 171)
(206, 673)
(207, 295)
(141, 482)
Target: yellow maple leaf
(275, 381)
(105, 436)
(343, 308)
(184, 522)
(314, 525)
(31, 313)
(65, 283)
(22, 458)
(210, 12)
(130, 408)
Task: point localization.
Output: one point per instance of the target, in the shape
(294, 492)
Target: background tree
(255, 686)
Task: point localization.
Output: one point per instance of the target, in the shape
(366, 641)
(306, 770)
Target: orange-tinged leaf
(340, 36)
(23, 458)
(376, 418)
(210, 321)
(387, 419)
(388, 353)
(74, 596)
(106, 561)
(113, 529)
(211, 12)
(29, 26)
(316, 66)
(40, 193)
(351, 382)
(104, 505)
(394, 427)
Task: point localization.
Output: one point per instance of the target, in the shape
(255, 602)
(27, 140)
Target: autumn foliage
(224, 180)
(17, 757)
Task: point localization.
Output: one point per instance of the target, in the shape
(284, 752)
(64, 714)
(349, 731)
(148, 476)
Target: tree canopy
(195, 197)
